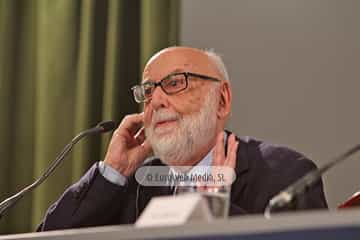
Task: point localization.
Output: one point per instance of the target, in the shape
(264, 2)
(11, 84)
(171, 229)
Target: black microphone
(102, 127)
(106, 126)
(285, 197)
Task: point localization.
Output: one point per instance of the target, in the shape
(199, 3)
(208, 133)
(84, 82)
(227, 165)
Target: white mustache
(164, 115)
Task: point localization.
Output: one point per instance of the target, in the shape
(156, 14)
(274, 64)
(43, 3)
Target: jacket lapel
(148, 192)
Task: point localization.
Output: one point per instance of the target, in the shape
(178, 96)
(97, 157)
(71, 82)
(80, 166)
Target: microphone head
(106, 126)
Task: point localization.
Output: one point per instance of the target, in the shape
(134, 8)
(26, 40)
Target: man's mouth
(165, 123)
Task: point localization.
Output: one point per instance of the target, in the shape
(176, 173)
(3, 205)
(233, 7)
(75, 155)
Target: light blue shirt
(203, 167)
(110, 174)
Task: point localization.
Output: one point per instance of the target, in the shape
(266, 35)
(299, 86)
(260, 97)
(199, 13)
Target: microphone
(102, 127)
(285, 197)
(106, 126)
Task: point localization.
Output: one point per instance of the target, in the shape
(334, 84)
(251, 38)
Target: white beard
(178, 145)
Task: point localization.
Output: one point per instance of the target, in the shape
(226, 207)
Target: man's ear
(225, 100)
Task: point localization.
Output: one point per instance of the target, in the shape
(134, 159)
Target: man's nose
(159, 99)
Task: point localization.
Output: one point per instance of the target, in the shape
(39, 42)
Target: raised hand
(128, 147)
(219, 158)
(224, 165)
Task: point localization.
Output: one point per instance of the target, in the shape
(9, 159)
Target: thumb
(143, 151)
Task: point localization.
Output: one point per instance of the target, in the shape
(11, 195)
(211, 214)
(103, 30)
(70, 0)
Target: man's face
(186, 119)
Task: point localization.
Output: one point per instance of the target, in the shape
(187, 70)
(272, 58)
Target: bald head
(190, 60)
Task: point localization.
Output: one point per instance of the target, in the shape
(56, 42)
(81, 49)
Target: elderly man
(187, 100)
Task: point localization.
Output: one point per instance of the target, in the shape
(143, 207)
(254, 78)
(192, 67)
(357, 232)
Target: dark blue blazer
(262, 170)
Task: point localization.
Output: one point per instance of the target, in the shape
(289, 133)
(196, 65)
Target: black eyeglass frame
(160, 83)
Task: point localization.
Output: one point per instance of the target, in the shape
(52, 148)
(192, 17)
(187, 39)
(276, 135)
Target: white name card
(174, 210)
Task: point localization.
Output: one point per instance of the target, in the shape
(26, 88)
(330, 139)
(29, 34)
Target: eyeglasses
(171, 84)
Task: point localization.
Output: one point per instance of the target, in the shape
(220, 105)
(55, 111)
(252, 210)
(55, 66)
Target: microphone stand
(287, 196)
(11, 201)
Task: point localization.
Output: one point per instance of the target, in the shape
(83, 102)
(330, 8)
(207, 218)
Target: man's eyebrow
(177, 70)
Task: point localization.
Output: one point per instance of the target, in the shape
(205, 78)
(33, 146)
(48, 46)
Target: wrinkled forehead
(179, 59)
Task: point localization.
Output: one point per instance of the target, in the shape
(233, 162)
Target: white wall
(294, 67)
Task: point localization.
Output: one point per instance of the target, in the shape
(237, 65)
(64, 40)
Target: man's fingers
(219, 151)
(140, 136)
(143, 151)
(131, 123)
(231, 152)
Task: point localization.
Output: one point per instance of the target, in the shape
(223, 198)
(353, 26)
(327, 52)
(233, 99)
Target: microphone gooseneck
(107, 126)
(102, 127)
(285, 197)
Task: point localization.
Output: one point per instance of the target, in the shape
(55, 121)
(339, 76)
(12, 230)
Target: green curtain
(65, 65)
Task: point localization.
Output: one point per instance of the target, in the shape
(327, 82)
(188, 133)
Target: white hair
(216, 58)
